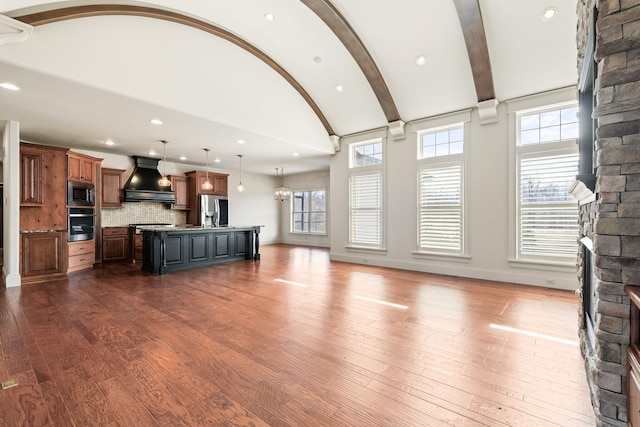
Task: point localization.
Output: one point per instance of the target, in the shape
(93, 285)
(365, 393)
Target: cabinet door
(31, 177)
(220, 185)
(74, 167)
(201, 177)
(88, 171)
(43, 253)
(115, 248)
(180, 185)
(112, 188)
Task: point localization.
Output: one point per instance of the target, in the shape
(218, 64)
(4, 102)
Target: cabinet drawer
(76, 262)
(115, 231)
(79, 248)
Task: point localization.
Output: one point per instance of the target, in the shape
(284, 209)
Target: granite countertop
(43, 231)
(194, 227)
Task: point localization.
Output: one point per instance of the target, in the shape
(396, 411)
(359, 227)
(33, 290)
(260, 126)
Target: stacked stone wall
(613, 220)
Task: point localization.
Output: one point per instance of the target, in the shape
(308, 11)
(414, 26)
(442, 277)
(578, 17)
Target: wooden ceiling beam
(470, 18)
(66, 13)
(341, 28)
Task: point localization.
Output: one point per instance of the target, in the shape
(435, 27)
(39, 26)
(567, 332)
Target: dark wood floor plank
(284, 342)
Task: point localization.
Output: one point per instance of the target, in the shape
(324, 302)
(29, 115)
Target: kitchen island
(166, 249)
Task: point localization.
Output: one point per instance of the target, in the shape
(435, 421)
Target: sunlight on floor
(377, 301)
(291, 283)
(533, 334)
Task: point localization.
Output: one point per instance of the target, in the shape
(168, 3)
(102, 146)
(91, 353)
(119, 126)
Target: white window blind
(440, 208)
(548, 214)
(366, 209)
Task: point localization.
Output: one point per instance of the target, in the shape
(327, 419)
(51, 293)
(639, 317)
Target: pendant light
(240, 187)
(164, 181)
(207, 185)
(281, 193)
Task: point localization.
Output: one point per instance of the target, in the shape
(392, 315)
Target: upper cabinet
(82, 168)
(218, 180)
(112, 184)
(180, 186)
(32, 162)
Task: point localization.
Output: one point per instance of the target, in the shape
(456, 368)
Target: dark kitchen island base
(181, 248)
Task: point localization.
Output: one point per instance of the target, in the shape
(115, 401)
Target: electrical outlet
(549, 282)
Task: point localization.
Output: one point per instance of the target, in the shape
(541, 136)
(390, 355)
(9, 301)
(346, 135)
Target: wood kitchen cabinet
(136, 245)
(32, 176)
(633, 358)
(82, 255)
(82, 168)
(115, 244)
(196, 179)
(180, 186)
(43, 256)
(112, 185)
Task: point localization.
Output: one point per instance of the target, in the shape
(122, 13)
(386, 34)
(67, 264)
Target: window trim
(447, 122)
(366, 170)
(549, 101)
(326, 212)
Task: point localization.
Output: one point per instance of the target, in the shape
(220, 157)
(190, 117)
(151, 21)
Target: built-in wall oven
(81, 224)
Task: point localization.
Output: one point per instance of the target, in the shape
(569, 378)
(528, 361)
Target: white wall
(307, 181)
(254, 206)
(488, 211)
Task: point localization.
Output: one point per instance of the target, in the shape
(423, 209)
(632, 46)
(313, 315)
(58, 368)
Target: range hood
(142, 185)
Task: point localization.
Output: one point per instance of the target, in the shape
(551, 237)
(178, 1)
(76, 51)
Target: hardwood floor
(291, 340)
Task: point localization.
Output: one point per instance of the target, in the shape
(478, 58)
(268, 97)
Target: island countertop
(169, 248)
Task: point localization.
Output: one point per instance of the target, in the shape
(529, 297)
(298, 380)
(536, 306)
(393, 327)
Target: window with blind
(547, 226)
(366, 194)
(440, 190)
(440, 208)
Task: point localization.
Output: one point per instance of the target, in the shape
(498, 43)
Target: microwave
(80, 194)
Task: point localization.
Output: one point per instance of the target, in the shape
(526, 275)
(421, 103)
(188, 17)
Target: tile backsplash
(142, 212)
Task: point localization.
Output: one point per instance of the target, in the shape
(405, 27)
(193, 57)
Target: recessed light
(317, 60)
(183, 157)
(240, 141)
(295, 154)
(152, 153)
(156, 121)
(339, 88)
(549, 13)
(421, 60)
(269, 17)
(9, 86)
(109, 142)
(217, 160)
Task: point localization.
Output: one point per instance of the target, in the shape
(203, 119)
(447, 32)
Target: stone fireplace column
(612, 221)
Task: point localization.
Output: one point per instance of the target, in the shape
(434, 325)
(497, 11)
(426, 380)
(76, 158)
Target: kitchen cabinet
(43, 256)
(180, 186)
(633, 357)
(196, 179)
(112, 185)
(82, 255)
(32, 176)
(115, 244)
(218, 180)
(136, 244)
(82, 168)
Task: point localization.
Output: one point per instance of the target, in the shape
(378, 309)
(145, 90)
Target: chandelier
(281, 193)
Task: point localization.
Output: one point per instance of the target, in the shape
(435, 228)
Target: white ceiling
(90, 79)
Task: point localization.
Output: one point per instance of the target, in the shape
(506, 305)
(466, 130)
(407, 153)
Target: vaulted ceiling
(219, 71)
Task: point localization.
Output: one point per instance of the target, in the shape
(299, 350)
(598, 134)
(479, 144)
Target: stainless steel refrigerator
(213, 211)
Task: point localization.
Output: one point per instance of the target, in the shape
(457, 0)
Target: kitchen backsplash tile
(142, 212)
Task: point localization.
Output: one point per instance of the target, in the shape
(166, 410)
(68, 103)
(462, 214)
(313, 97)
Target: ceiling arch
(74, 12)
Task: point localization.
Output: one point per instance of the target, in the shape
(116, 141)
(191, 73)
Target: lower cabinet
(82, 255)
(115, 244)
(43, 256)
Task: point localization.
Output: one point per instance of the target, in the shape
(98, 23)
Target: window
(440, 190)
(309, 211)
(365, 194)
(547, 163)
